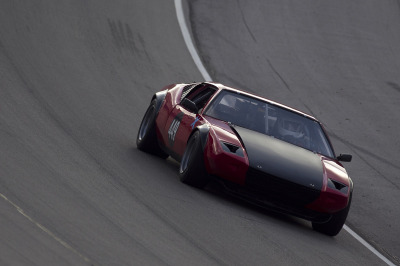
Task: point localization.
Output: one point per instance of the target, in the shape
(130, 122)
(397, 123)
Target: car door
(183, 119)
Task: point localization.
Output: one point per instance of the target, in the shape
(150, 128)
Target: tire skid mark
(394, 86)
(126, 39)
(279, 75)
(245, 22)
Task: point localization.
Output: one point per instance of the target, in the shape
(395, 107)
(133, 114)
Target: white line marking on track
(365, 243)
(207, 77)
(188, 40)
(44, 229)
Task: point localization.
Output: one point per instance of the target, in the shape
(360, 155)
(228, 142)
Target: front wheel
(146, 139)
(335, 224)
(192, 170)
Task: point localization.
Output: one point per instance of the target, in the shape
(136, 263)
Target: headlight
(338, 186)
(230, 148)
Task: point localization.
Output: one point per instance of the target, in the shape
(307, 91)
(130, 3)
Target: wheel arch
(204, 132)
(159, 96)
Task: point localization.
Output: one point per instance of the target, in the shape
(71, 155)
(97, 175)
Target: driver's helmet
(290, 127)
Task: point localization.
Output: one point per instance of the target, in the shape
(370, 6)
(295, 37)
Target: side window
(200, 95)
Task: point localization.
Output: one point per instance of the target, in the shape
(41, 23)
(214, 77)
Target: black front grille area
(267, 187)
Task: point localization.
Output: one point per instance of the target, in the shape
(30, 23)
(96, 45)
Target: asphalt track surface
(76, 78)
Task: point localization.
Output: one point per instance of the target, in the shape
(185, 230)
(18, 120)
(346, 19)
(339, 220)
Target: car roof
(223, 87)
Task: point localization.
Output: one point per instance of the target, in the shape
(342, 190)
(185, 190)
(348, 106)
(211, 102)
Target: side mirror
(191, 106)
(344, 157)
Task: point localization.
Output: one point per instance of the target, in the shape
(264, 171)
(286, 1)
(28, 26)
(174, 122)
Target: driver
(291, 130)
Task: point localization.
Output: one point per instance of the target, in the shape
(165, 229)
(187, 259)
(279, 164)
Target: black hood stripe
(281, 159)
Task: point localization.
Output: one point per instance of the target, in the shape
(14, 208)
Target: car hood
(281, 159)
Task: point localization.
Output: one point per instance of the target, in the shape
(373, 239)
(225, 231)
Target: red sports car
(260, 150)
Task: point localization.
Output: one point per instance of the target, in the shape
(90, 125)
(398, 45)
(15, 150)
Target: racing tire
(192, 170)
(335, 224)
(146, 139)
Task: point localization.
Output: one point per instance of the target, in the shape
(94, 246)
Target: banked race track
(77, 76)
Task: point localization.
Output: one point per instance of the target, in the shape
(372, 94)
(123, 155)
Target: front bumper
(279, 195)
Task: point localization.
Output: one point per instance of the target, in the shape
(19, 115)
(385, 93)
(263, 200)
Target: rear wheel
(146, 139)
(192, 170)
(335, 224)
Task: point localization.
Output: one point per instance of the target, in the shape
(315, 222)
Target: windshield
(270, 120)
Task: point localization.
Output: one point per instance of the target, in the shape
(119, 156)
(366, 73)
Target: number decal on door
(173, 128)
